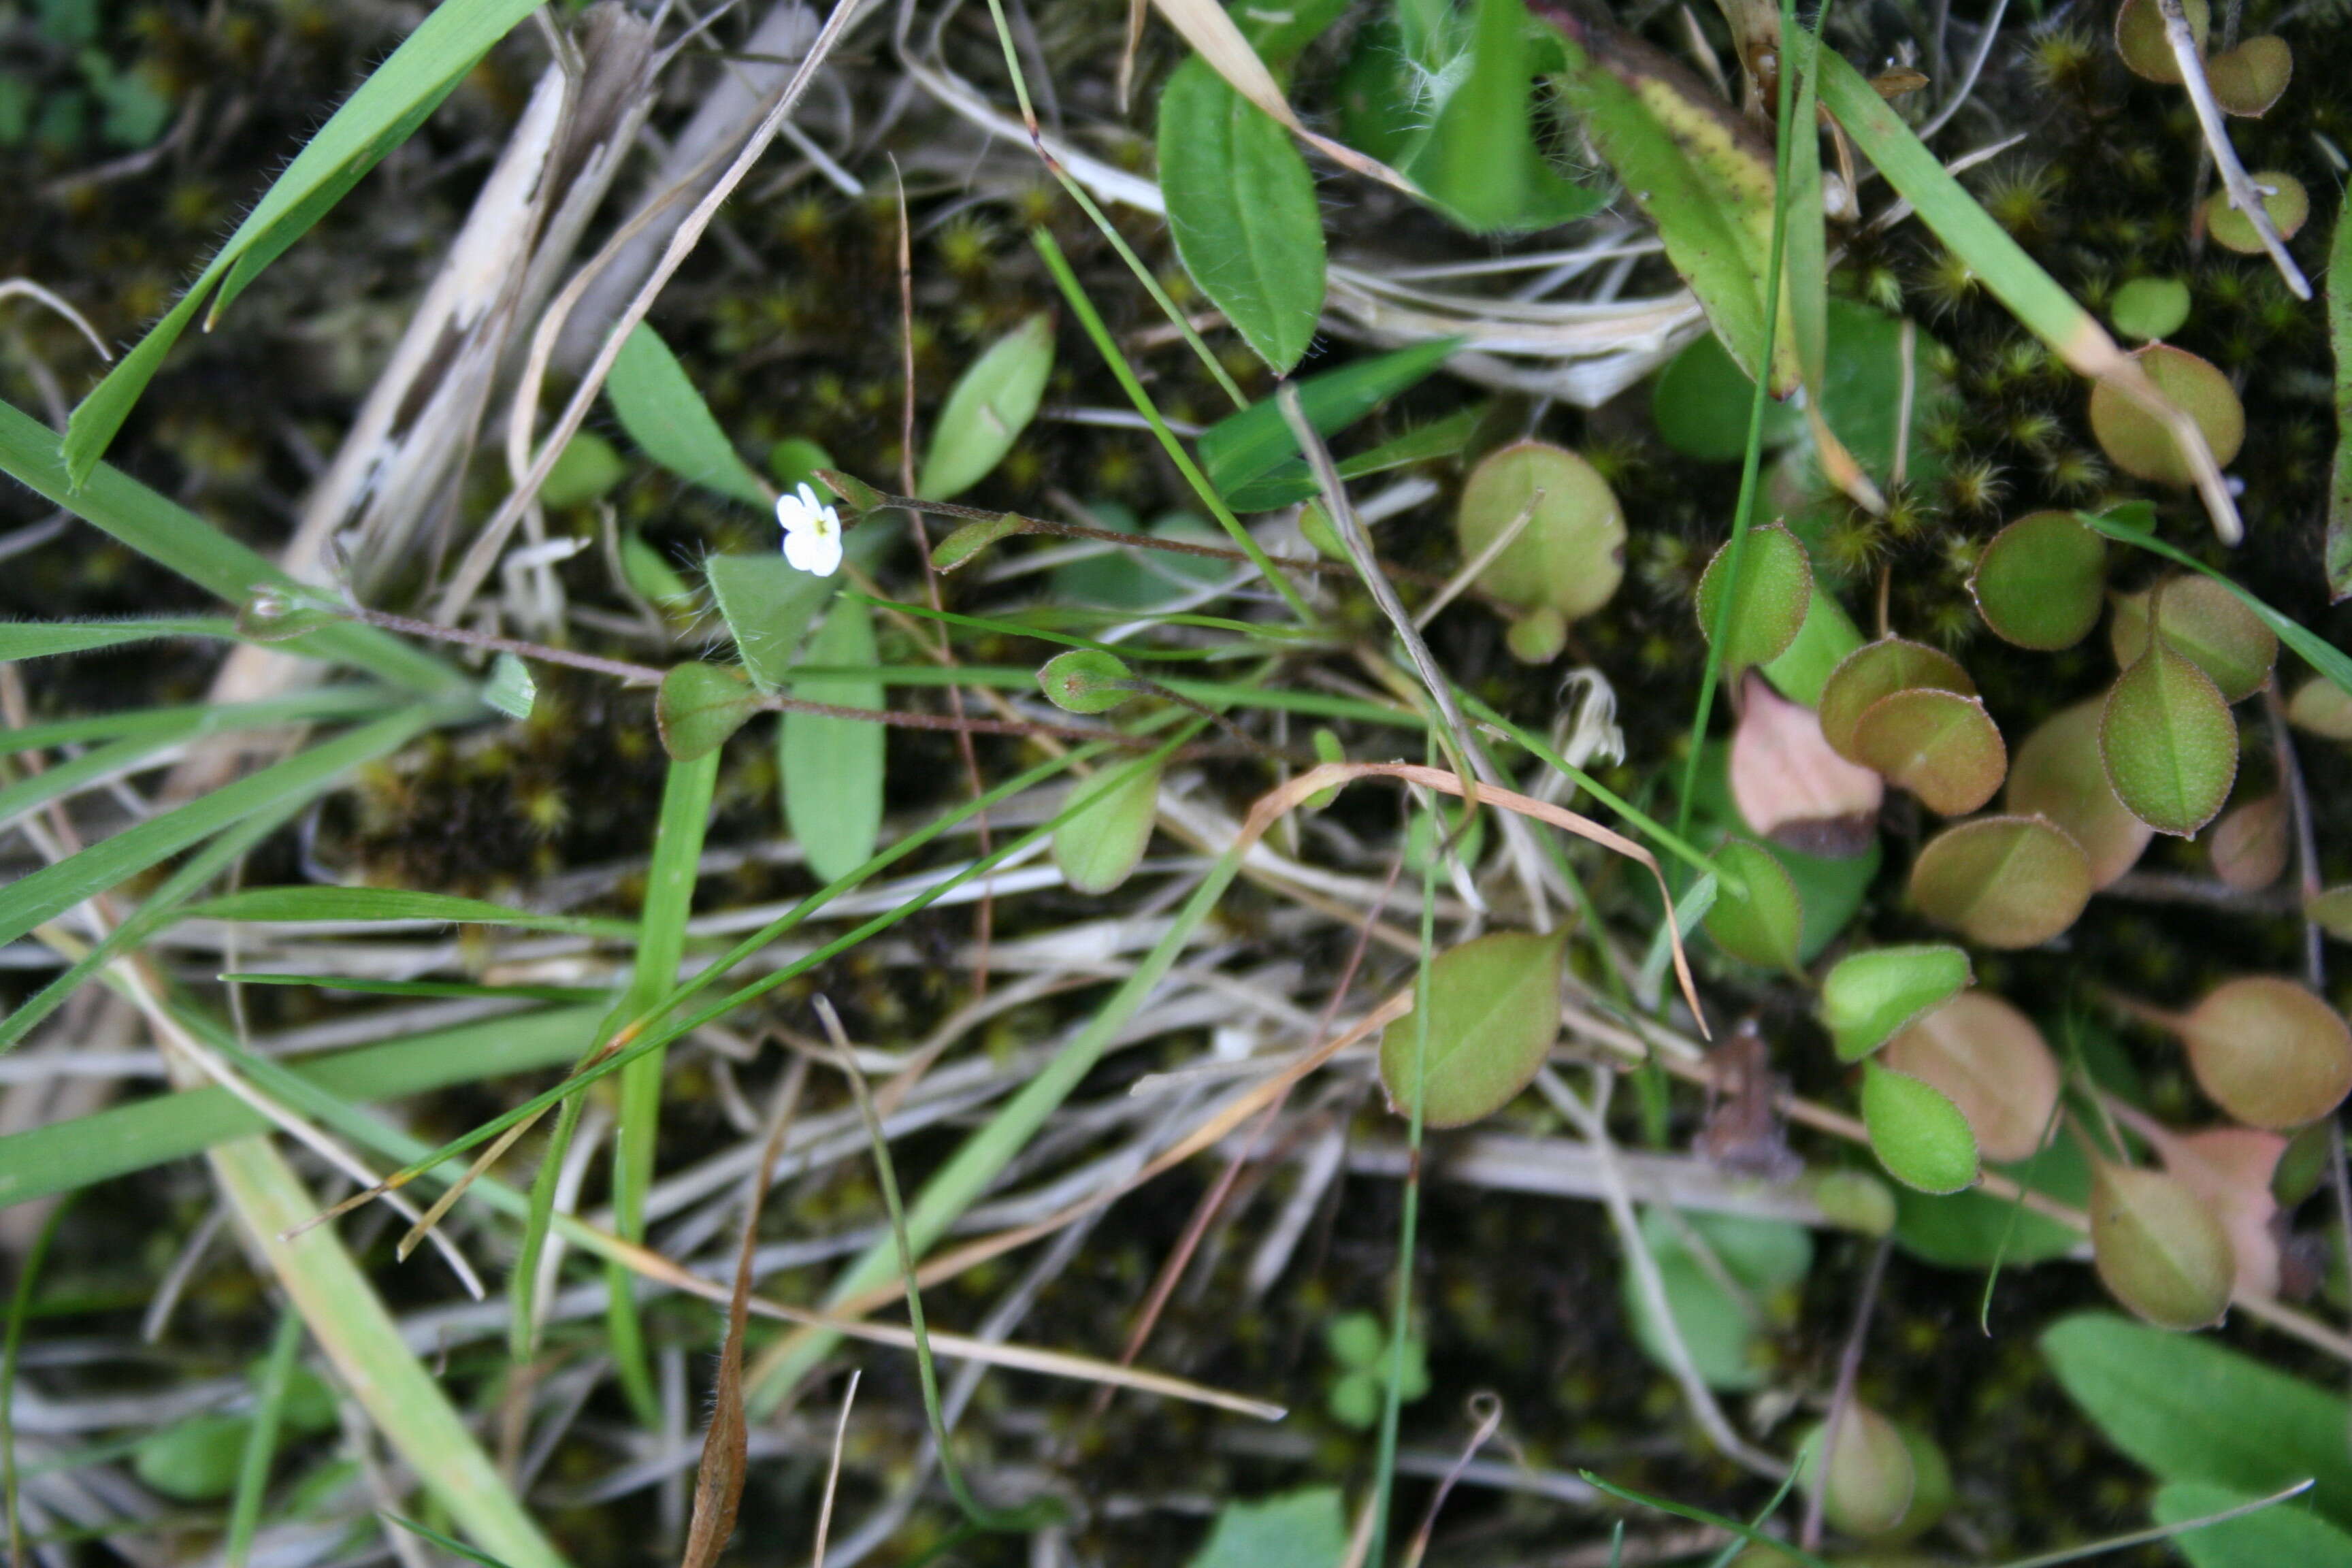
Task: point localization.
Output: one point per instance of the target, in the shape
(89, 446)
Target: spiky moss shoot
(1036, 205)
(1670, 567)
(805, 221)
(540, 805)
(2074, 473)
(2137, 164)
(1946, 284)
(1951, 622)
(1619, 461)
(1852, 547)
(1880, 286)
(2064, 60)
(966, 244)
(2022, 200)
(1910, 514)
(2035, 429)
(1973, 487)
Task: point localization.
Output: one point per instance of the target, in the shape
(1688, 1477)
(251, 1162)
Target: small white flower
(812, 532)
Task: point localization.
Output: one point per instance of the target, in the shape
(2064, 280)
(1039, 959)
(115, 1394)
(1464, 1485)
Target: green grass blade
(67, 1155)
(171, 536)
(349, 1322)
(20, 1305)
(1083, 308)
(2317, 651)
(99, 762)
(2339, 335)
(261, 1441)
(53, 889)
(1751, 463)
(1744, 1530)
(661, 944)
(298, 904)
(192, 719)
(385, 111)
(161, 906)
(466, 988)
(654, 1036)
(47, 639)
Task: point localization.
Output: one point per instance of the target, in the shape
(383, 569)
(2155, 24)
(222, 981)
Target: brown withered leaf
(1789, 786)
(1743, 1131)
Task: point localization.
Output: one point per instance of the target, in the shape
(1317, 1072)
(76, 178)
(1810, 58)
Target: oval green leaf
(1776, 583)
(2042, 582)
(1569, 553)
(699, 705)
(1493, 1012)
(2168, 742)
(194, 1460)
(2248, 79)
(2268, 1051)
(2158, 1250)
(1941, 746)
(1867, 996)
(767, 603)
(1112, 814)
(2002, 881)
(1990, 1061)
(2206, 623)
(1765, 925)
(2142, 447)
(2284, 198)
(2058, 773)
(1086, 680)
(833, 767)
(988, 408)
(2148, 308)
(1877, 670)
(1918, 1134)
(1241, 204)
(669, 420)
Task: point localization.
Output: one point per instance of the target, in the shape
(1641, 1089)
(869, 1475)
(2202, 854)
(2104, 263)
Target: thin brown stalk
(1487, 1410)
(833, 1469)
(1808, 1535)
(719, 1479)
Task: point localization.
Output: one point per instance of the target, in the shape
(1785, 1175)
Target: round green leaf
(2139, 37)
(2158, 1250)
(2149, 308)
(1867, 996)
(699, 705)
(2169, 743)
(2268, 1051)
(1086, 680)
(2058, 773)
(584, 470)
(2250, 78)
(1879, 670)
(2202, 621)
(1111, 824)
(1990, 1061)
(1868, 1488)
(1537, 637)
(1776, 583)
(1570, 554)
(1702, 401)
(1918, 1134)
(1941, 746)
(2284, 198)
(1493, 1012)
(2042, 582)
(194, 1460)
(2139, 444)
(2322, 708)
(1765, 924)
(2002, 881)
(1855, 1201)
(2332, 912)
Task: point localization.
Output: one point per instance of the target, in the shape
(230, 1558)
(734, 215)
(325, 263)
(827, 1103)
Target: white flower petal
(813, 551)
